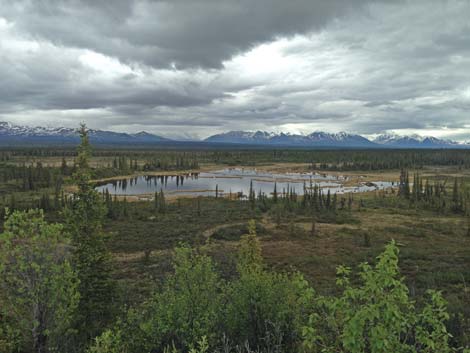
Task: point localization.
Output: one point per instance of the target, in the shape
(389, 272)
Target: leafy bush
(186, 310)
(377, 316)
(38, 288)
(264, 309)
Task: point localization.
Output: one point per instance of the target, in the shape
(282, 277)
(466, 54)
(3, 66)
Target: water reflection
(235, 181)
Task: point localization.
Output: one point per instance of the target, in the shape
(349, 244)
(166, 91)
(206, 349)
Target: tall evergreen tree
(91, 258)
(161, 202)
(407, 186)
(313, 229)
(252, 196)
(456, 198)
(275, 192)
(64, 167)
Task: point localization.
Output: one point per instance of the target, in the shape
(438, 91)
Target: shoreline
(348, 182)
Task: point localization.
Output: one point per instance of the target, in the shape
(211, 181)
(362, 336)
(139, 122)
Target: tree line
(324, 159)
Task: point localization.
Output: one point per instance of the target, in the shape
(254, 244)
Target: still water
(235, 181)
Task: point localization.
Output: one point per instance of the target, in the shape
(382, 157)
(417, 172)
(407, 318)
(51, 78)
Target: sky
(191, 68)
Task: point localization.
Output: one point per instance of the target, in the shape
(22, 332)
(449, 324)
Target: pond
(234, 181)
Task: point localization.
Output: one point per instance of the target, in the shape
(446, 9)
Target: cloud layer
(192, 68)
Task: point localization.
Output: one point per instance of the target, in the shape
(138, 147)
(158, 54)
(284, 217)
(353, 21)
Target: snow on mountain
(317, 138)
(241, 137)
(341, 138)
(19, 130)
(10, 133)
(416, 141)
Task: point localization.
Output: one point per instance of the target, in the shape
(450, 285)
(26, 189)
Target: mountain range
(11, 134)
(21, 135)
(315, 139)
(341, 139)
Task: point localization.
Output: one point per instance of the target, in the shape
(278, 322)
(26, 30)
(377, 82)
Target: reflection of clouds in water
(236, 180)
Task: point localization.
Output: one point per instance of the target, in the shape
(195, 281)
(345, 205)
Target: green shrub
(377, 316)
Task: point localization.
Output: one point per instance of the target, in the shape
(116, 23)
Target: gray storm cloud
(184, 33)
(208, 66)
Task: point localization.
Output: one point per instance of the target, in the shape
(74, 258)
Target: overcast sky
(191, 68)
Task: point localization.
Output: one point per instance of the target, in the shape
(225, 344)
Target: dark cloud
(200, 67)
(186, 33)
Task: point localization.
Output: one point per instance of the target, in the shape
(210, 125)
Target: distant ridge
(416, 141)
(341, 139)
(17, 134)
(317, 138)
(11, 134)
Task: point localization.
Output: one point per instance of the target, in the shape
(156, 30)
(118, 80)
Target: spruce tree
(91, 258)
(401, 185)
(275, 193)
(161, 202)
(407, 186)
(63, 167)
(252, 196)
(125, 211)
(456, 205)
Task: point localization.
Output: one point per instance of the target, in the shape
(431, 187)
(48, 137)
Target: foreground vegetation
(377, 272)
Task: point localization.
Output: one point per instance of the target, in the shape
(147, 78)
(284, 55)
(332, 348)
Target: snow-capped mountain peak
(10, 133)
(317, 138)
(414, 141)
